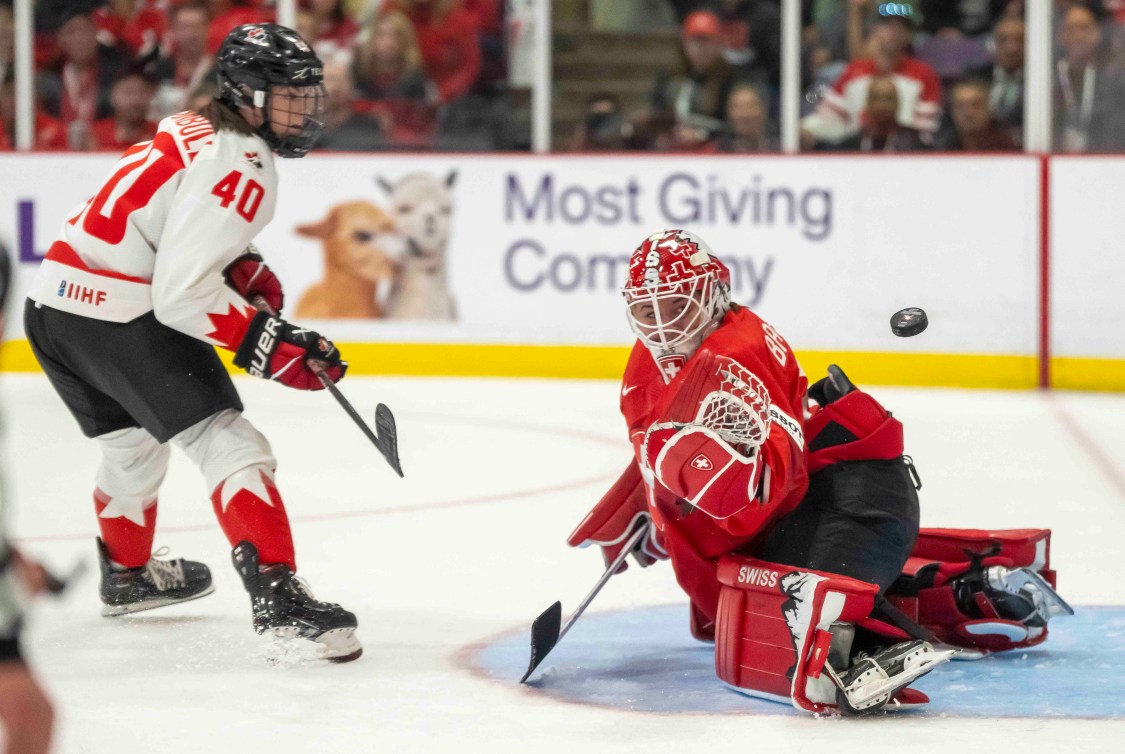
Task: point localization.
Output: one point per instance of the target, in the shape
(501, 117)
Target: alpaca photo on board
(422, 207)
(361, 246)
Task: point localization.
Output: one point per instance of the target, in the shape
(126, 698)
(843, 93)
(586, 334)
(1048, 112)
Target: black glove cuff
(258, 345)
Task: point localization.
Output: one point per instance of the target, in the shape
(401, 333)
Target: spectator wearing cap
(840, 112)
(48, 133)
(747, 120)
(346, 130)
(974, 127)
(134, 25)
(77, 89)
(392, 86)
(188, 63)
(1089, 98)
(448, 40)
(1005, 75)
(698, 91)
(881, 130)
(330, 30)
(131, 96)
(751, 34)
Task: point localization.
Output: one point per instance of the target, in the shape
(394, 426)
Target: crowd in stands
(877, 77)
(399, 74)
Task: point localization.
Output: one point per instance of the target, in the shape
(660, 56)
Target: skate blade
(112, 611)
(337, 645)
(889, 686)
(1054, 604)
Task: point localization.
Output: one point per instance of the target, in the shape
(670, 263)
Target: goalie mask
(677, 294)
(269, 68)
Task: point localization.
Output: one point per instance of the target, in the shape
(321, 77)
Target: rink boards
(825, 248)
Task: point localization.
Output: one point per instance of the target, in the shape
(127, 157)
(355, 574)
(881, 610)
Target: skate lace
(166, 574)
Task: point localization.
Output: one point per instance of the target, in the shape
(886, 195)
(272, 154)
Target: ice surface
(470, 546)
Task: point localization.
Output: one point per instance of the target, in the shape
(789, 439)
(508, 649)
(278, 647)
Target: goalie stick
(386, 441)
(545, 630)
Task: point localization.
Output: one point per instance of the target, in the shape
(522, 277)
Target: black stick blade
(544, 636)
(388, 436)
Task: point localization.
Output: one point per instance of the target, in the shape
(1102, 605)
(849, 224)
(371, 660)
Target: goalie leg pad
(774, 629)
(984, 590)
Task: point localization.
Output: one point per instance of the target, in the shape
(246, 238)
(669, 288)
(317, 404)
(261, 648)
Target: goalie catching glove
(277, 350)
(707, 451)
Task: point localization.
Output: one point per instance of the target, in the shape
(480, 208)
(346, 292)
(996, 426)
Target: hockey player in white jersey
(144, 280)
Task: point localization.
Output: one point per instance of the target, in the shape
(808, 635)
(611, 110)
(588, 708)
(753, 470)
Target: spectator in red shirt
(840, 113)
(391, 83)
(132, 24)
(331, 31)
(189, 63)
(882, 131)
(77, 90)
(48, 133)
(132, 97)
(227, 14)
(447, 38)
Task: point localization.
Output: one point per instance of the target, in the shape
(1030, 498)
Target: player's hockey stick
(386, 442)
(546, 631)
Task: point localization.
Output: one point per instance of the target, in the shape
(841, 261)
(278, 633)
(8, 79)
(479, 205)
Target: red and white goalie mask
(677, 294)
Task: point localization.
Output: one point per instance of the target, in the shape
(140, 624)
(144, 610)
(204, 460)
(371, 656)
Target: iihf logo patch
(702, 462)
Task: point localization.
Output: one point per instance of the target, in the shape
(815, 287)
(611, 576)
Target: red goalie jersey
(742, 384)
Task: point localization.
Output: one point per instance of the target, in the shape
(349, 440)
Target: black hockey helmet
(257, 60)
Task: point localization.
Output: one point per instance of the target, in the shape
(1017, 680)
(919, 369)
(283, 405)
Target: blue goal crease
(645, 660)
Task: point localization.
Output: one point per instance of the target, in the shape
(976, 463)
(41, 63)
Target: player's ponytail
(223, 118)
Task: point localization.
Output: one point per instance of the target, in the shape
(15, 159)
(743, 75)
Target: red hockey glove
(249, 277)
(276, 350)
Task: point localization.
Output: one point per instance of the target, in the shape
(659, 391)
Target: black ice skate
(873, 680)
(155, 584)
(284, 606)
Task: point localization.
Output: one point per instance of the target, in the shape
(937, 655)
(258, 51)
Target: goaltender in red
(789, 511)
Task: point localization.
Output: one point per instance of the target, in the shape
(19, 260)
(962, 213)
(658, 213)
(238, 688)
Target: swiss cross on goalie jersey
(671, 364)
(702, 462)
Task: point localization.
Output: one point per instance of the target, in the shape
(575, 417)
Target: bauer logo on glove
(277, 350)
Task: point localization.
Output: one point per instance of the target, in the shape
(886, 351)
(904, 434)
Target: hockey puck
(908, 322)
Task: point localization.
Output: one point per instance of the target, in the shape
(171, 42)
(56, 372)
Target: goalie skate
(1026, 590)
(873, 680)
(284, 607)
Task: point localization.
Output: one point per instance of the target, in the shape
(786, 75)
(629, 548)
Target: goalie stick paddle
(386, 442)
(546, 631)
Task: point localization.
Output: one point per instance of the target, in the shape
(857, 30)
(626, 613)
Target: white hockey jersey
(156, 237)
